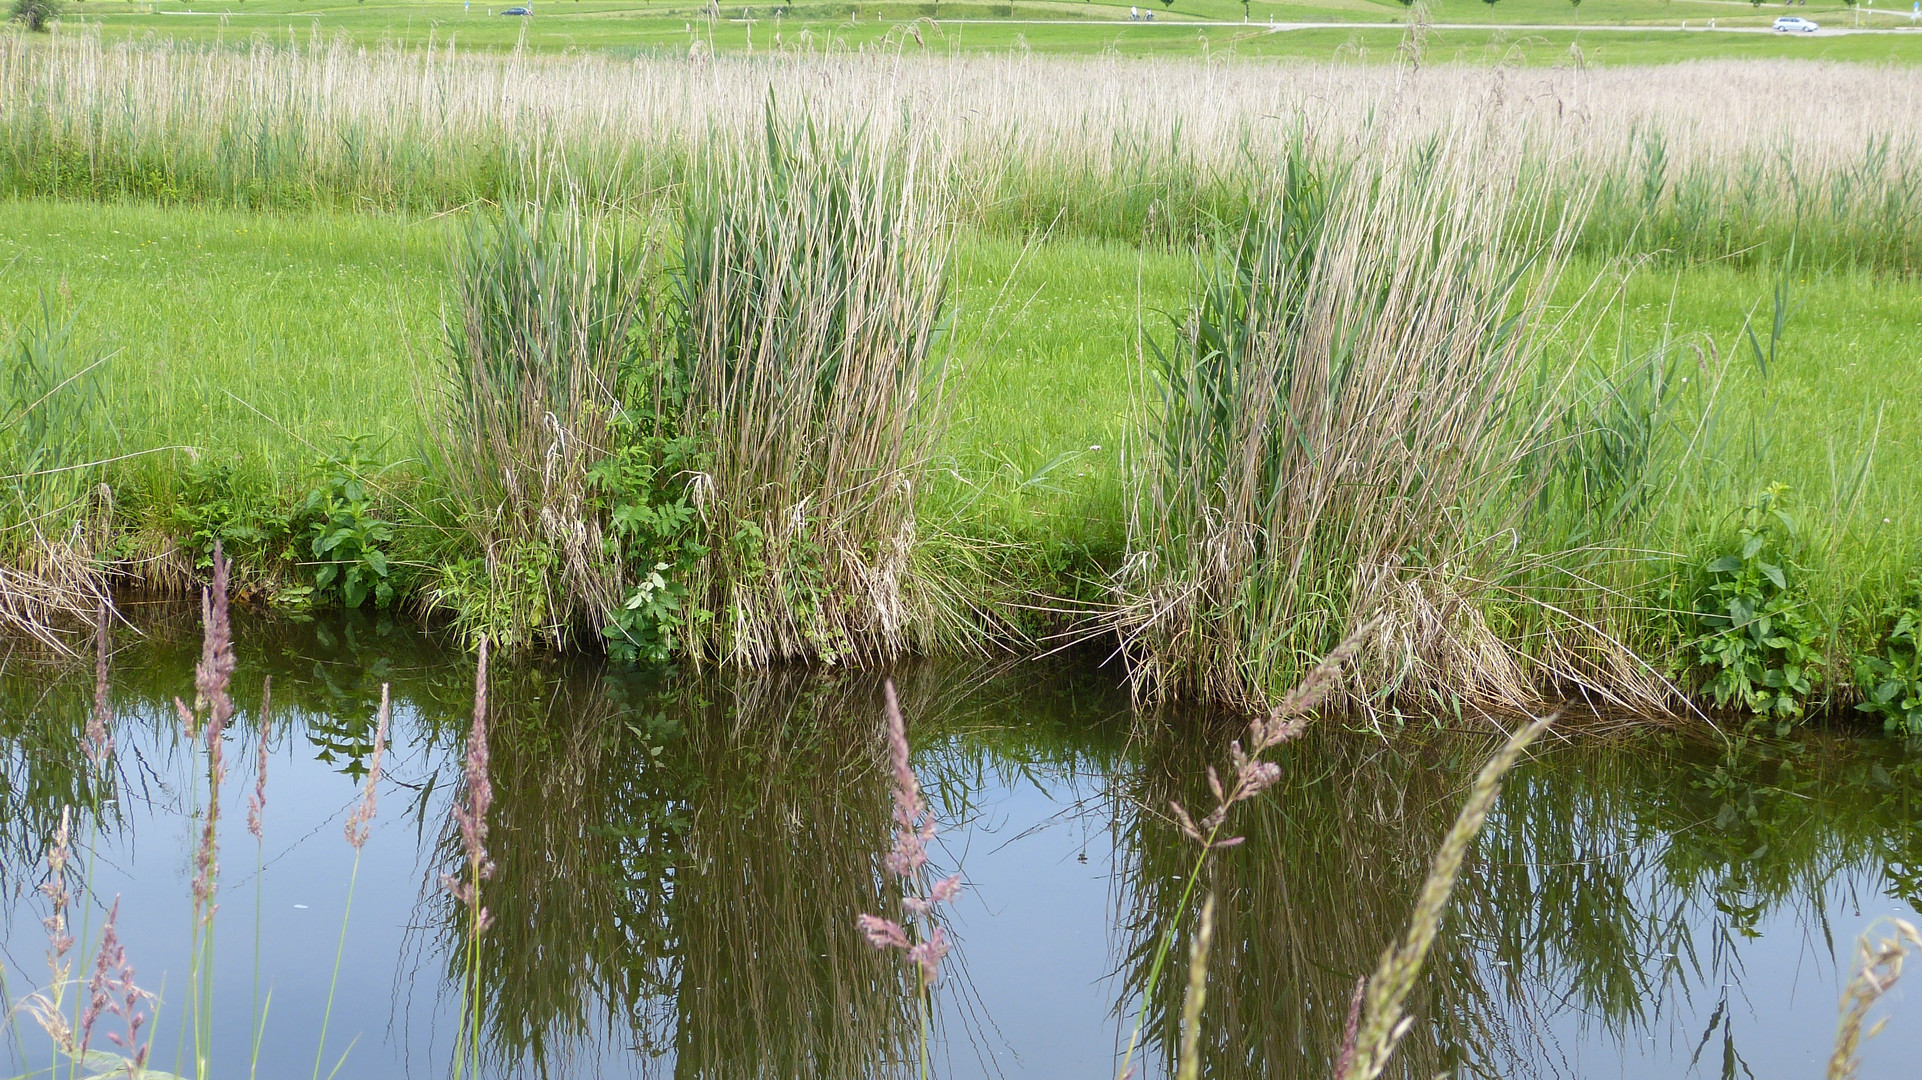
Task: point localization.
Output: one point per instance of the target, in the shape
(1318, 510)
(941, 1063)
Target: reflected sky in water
(682, 856)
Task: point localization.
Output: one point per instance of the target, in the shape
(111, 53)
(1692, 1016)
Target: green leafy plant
(210, 512)
(1891, 678)
(653, 528)
(1755, 642)
(345, 537)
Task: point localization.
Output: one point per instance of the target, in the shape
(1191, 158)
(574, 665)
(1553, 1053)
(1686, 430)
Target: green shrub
(653, 527)
(1756, 646)
(1891, 678)
(209, 511)
(37, 15)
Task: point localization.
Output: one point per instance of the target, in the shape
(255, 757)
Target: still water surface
(681, 858)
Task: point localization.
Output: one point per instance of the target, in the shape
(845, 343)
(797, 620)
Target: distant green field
(1528, 31)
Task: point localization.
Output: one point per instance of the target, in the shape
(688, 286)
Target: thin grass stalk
(359, 824)
(1197, 996)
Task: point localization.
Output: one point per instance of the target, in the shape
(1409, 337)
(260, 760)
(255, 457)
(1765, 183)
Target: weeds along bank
(1701, 160)
(710, 423)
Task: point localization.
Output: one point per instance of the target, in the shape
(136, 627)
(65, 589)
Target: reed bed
(717, 459)
(810, 296)
(1700, 159)
(546, 303)
(1349, 435)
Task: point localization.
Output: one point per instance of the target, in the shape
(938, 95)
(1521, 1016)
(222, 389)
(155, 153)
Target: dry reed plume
(1878, 964)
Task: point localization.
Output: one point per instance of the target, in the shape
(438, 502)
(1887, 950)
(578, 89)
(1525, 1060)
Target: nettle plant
(654, 528)
(348, 542)
(1756, 647)
(1890, 678)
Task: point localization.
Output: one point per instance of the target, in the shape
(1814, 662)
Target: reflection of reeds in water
(776, 980)
(1328, 873)
(575, 935)
(680, 880)
(1596, 890)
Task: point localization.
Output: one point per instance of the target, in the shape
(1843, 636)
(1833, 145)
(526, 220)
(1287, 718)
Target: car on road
(1795, 24)
(517, 11)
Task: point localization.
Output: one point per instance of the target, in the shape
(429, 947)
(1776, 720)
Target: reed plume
(1878, 964)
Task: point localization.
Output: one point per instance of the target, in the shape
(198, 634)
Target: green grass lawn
(256, 339)
(1601, 31)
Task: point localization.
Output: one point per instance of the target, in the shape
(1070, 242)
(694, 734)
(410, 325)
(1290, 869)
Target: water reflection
(681, 856)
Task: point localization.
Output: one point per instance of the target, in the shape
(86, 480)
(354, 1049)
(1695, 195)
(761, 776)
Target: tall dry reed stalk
(807, 304)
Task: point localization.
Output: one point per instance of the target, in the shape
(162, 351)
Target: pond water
(681, 857)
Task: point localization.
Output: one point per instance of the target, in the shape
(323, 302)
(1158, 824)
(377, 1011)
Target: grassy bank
(242, 348)
(1575, 385)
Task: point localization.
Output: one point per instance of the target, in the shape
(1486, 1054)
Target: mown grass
(1599, 31)
(258, 337)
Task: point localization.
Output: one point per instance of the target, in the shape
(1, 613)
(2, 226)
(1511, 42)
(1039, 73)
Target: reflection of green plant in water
(1757, 648)
(1890, 679)
(343, 533)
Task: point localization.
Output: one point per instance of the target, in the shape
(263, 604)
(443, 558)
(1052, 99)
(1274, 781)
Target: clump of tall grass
(549, 304)
(52, 514)
(1347, 430)
(809, 302)
(727, 467)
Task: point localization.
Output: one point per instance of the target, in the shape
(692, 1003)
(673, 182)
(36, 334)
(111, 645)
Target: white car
(1795, 24)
